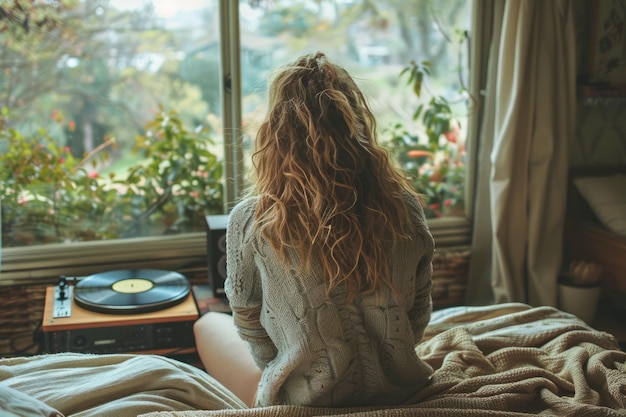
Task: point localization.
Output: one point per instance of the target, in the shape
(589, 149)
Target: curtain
(525, 72)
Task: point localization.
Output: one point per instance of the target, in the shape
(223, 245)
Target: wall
(600, 136)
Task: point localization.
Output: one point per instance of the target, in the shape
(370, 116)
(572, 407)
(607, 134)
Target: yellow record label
(132, 285)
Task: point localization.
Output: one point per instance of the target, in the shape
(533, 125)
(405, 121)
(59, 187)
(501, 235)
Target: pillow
(607, 198)
(14, 403)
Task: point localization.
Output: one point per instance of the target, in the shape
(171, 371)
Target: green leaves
(180, 178)
(433, 156)
(417, 73)
(437, 118)
(48, 195)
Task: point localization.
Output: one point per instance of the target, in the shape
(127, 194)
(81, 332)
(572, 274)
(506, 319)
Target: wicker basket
(450, 269)
(21, 312)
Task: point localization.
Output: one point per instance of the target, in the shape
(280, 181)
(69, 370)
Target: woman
(329, 262)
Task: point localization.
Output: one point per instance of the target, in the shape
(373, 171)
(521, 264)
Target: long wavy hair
(327, 191)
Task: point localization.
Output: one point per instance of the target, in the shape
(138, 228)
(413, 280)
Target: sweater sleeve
(422, 306)
(243, 285)
(420, 312)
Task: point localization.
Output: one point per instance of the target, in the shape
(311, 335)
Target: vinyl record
(131, 291)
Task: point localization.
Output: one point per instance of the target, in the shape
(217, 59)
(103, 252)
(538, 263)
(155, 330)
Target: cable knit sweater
(318, 350)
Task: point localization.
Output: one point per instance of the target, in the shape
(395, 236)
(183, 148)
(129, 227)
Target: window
(376, 41)
(124, 122)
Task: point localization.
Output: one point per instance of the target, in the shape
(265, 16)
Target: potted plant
(579, 289)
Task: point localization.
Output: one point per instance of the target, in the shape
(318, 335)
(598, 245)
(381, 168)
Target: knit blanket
(508, 359)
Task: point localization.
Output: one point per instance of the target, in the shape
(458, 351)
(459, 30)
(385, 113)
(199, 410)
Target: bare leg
(225, 355)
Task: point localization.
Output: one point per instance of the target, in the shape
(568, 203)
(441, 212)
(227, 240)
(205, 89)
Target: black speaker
(216, 251)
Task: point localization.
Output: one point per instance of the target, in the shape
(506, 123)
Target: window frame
(184, 253)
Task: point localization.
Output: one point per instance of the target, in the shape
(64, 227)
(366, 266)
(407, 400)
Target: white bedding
(113, 385)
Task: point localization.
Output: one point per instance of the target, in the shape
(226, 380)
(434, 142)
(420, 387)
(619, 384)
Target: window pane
(375, 41)
(90, 147)
(111, 119)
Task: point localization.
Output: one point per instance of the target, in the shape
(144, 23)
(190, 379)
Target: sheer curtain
(525, 51)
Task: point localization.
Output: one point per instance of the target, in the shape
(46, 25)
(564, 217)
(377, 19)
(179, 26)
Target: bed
(508, 359)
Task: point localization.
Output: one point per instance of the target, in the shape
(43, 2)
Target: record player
(125, 311)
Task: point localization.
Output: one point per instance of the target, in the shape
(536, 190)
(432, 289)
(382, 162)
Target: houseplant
(579, 289)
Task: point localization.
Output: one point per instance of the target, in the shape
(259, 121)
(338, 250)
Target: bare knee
(213, 323)
(211, 332)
